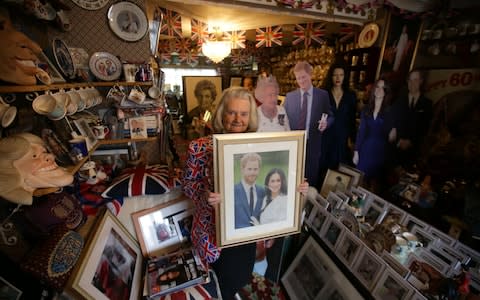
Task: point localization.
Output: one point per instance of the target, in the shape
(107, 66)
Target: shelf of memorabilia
(58, 86)
(367, 233)
(73, 169)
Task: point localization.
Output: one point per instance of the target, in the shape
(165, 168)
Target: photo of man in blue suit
(248, 196)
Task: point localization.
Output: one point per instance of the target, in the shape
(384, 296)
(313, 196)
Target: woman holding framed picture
(236, 113)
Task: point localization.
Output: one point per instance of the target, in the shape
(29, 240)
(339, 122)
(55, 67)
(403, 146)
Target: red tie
(303, 112)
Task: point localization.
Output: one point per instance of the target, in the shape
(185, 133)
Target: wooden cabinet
(361, 66)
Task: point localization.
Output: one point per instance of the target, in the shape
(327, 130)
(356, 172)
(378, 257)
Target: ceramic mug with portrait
(100, 131)
(129, 71)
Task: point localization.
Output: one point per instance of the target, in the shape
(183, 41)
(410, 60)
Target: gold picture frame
(156, 227)
(330, 182)
(111, 251)
(280, 152)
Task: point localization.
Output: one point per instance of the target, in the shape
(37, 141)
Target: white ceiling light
(217, 49)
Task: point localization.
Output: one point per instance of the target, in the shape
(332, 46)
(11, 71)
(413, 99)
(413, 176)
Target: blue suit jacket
(242, 206)
(320, 105)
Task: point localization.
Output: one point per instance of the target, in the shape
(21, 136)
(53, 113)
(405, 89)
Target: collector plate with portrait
(368, 36)
(128, 21)
(90, 4)
(63, 58)
(105, 66)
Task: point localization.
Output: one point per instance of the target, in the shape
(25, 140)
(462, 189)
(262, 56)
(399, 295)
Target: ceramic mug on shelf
(136, 95)
(7, 113)
(100, 131)
(129, 71)
(47, 105)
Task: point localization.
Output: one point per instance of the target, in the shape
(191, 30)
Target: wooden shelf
(74, 169)
(57, 86)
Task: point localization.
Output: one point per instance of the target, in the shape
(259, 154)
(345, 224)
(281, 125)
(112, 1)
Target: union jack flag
(240, 58)
(309, 32)
(346, 32)
(199, 31)
(141, 180)
(237, 37)
(268, 36)
(172, 24)
(164, 50)
(188, 58)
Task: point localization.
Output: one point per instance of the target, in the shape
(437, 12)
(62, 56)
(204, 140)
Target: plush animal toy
(18, 56)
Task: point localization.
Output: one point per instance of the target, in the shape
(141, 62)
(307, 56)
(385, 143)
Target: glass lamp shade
(216, 50)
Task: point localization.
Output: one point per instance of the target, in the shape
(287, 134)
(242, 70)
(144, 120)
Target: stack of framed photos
(415, 267)
(112, 265)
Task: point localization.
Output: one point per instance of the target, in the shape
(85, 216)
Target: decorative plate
(105, 66)
(91, 4)
(127, 21)
(368, 36)
(63, 58)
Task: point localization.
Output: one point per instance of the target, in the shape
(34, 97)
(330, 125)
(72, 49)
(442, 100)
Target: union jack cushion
(140, 180)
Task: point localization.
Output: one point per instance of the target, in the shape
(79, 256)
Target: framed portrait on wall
(392, 286)
(258, 174)
(201, 93)
(399, 47)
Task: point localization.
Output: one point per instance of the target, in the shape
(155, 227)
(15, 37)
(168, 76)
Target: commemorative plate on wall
(105, 66)
(91, 4)
(368, 36)
(63, 58)
(128, 21)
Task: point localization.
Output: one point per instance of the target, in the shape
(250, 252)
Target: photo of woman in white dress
(274, 207)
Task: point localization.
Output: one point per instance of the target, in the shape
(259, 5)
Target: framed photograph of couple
(258, 174)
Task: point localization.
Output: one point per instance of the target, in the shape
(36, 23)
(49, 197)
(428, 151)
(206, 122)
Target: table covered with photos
(389, 250)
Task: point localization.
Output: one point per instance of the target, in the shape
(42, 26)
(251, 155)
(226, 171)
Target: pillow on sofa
(138, 181)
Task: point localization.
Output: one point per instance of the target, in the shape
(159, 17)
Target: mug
(116, 93)
(76, 101)
(100, 131)
(78, 146)
(47, 105)
(129, 71)
(136, 95)
(7, 113)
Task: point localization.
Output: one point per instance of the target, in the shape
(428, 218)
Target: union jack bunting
(199, 31)
(182, 45)
(240, 57)
(346, 32)
(164, 51)
(268, 36)
(172, 24)
(309, 32)
(237, 37)
(188, 58)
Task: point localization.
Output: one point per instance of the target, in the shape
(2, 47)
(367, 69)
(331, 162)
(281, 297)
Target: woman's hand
(214, 198)
(355, 158)
(303, 188)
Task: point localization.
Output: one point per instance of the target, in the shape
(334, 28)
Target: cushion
(52, 260)
(91, 199)
(139, 180)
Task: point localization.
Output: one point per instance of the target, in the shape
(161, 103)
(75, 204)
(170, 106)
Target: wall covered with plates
(90, 30)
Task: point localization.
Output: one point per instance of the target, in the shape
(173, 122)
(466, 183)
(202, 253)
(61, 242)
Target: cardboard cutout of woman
(25, 165)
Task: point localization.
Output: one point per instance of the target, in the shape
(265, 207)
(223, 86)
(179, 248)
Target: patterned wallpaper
(90, 30)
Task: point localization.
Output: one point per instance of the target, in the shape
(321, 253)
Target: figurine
(25, 165)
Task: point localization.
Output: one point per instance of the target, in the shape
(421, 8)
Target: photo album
(174, 272)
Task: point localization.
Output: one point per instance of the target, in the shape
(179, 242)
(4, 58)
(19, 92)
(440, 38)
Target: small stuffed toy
(18, 56)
